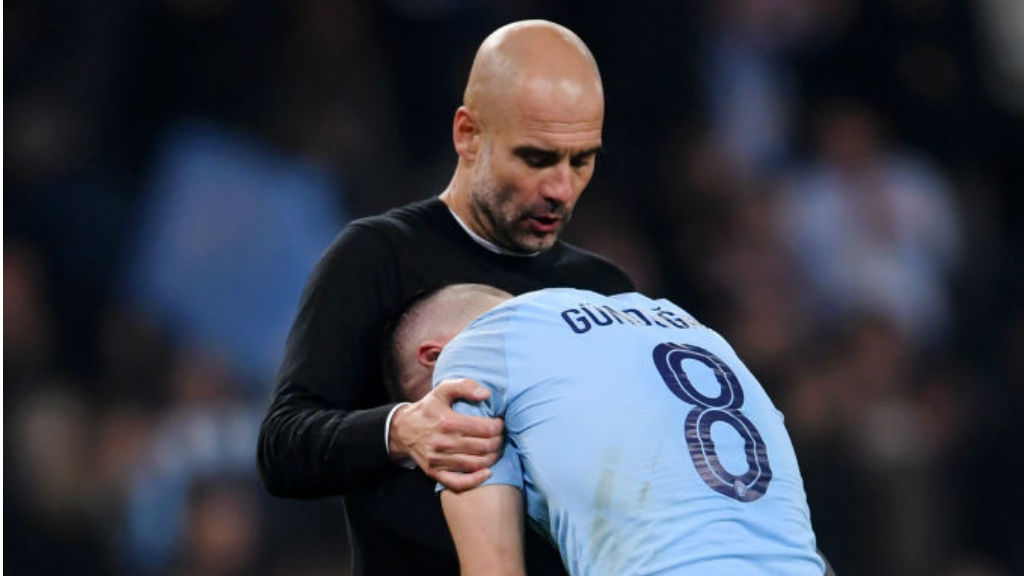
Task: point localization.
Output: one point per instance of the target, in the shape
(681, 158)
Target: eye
(582, 160)
(537, 158)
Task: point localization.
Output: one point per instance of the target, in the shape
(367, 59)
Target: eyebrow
(522, 150)
(528, 149)
(588, 153)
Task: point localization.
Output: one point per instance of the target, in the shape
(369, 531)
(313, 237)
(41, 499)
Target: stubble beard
(508, 224)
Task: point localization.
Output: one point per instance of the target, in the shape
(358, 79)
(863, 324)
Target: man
(526, 137)
(641, 443)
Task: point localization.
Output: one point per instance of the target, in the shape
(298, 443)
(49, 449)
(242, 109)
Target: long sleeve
(323, 434)
(318, 437)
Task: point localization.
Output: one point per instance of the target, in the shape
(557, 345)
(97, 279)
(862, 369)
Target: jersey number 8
(724, 408)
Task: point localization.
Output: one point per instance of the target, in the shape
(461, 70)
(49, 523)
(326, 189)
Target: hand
(452, 448)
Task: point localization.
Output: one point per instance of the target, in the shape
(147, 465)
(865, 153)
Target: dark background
(833, 185)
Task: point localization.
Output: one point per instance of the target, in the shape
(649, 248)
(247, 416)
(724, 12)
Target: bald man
(636, 438)
(526, 137)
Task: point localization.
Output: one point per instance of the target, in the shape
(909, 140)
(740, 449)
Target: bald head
(428, 325)
(527, 135)
(529, 62)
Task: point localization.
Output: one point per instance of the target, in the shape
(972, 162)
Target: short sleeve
(478, 353)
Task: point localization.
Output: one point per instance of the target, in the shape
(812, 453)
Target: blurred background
(834, 185)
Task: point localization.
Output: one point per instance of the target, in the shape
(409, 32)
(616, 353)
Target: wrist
(392, 437)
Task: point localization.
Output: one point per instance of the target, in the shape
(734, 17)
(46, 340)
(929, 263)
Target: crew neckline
(487, 244)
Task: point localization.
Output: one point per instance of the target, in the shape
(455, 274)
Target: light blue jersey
(640, 441)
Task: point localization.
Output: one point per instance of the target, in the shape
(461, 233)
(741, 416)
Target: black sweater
(324, 432)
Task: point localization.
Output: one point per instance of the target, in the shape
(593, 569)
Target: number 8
(753, 484)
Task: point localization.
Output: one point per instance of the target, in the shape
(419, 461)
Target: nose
(559, 187)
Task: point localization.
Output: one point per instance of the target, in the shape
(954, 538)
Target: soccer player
(638, 440)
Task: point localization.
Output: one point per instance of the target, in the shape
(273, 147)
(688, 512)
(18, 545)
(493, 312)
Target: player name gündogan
(586, 316)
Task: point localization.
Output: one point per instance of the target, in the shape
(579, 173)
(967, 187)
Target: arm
(324, 433)
(487, 526)
(454, 449)
(486, 522)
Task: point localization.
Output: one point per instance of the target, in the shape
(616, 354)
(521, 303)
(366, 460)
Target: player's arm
(487, 526)
(486, 522)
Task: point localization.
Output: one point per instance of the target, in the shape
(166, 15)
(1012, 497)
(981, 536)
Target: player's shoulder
(560, 299)
(558, 296)
(520, 309)
(548, 303)
(638, 300)
(560, 304)
(552, 298)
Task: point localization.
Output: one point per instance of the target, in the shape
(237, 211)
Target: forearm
(310, 449)
(487, 527)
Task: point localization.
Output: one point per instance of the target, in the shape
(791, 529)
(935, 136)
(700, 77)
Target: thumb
(462, 388)
(462, 481)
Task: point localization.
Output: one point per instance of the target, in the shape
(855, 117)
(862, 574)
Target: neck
(457, 200)
(456, 197)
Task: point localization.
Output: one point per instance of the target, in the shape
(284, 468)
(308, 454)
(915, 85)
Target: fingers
(461, 455)
(444, 442)
(459, 425)
(460, 482)
(458, 454)
(483, 446)
(459, 463)
(462, 388)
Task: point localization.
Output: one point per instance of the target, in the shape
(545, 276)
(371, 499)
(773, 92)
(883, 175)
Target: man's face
(533, 166)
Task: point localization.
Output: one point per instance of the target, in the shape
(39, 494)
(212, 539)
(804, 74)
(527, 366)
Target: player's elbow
(271, 470)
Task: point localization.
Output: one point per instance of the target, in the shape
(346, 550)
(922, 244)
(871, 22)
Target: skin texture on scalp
(528, 63)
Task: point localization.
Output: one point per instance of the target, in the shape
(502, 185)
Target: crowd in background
(832, 185)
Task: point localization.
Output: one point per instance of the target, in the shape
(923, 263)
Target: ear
(466, 132)
(428, 352)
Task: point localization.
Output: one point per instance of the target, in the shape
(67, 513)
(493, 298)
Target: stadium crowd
(831, 185)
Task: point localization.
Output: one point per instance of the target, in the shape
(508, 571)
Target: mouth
(544, 224)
